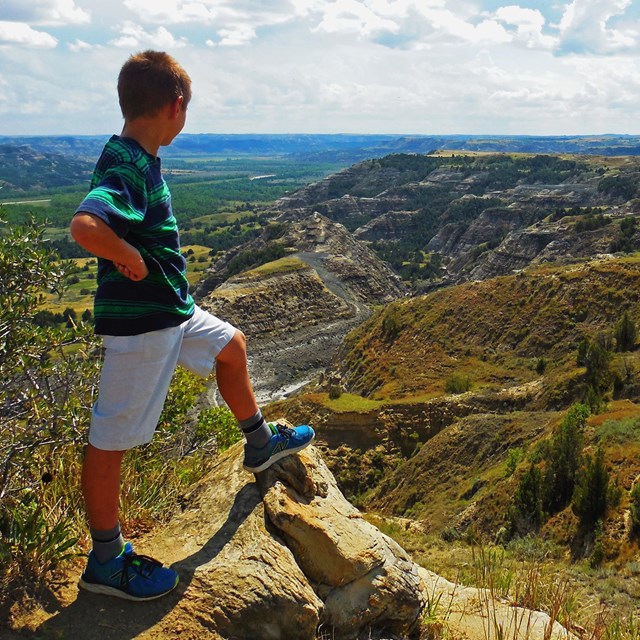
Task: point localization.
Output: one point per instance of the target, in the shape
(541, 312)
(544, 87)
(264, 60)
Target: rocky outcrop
(551, 242)
(389, 226)
(343, 259)
(279, 558)
(284, 556)
(485, 216)
(296, 311)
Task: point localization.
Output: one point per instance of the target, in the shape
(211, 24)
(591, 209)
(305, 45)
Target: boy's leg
(101, 491)
(101, 486)
(208, 342)
(135, 377)
(112, 567)
(265, 443)
(233, 380)
(232, 376)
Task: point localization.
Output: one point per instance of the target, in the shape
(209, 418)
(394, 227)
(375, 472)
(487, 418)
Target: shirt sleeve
(119, 199)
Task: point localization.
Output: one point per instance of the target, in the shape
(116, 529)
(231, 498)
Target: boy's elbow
(81, 227)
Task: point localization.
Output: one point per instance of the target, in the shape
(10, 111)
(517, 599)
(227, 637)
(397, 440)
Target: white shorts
(137, 371)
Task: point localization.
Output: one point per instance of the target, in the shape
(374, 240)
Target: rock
(364, 577)
(287, 555)
(289, 550)
(243, 581)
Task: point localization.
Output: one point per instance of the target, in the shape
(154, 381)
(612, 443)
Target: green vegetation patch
(276, 267)
(623, 431)
(348, 402)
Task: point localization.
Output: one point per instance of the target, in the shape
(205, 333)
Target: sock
(256, 430)
(107, 544)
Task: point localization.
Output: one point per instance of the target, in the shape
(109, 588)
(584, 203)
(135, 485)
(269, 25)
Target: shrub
(457, 383)
(47, 381)
(390, 326)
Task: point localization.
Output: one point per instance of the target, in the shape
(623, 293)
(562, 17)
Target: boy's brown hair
(150, 80)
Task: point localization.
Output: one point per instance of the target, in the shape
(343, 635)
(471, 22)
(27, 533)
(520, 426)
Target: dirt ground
(68, 612)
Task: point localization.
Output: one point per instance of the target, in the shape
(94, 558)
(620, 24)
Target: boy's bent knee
(235, 351)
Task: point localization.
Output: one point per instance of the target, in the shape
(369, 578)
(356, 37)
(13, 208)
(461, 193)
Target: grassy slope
(493, 331)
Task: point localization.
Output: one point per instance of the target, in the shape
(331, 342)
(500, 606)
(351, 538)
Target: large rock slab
(243, 581)
(364, 578)
(278, 558)
(468, 613)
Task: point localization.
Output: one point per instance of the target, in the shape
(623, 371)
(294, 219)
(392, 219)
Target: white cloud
(404, 66)
(133, 35)
(18, 33)
(237, 35)
(351, 16)
(305, 7)
(445, 24)
(78, 46)
(585, 27)
(529, 24)
(175, 11)
(45, 12)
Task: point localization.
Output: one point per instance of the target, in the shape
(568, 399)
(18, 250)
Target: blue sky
(331, 66)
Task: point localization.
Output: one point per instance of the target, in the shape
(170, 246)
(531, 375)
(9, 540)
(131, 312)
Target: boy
(149, 322)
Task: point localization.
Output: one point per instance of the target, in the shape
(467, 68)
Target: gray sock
(107, 544)
(256, 430)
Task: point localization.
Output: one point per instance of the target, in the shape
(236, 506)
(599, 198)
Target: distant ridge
(351, 147)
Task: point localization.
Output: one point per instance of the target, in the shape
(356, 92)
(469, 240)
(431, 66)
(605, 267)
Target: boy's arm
(97, 238)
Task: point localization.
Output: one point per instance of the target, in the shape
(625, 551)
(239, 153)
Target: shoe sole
(277, 456)
(106, 590)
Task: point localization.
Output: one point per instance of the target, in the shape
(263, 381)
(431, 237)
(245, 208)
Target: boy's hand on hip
(136, 270)
(94, 235)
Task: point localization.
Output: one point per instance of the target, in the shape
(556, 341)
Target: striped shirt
(130, 195)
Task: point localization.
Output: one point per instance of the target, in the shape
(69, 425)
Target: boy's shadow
(107, 618)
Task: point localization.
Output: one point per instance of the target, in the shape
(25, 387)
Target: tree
(526, 512)
(626, 333)
(47, 382)
(599, 378)
(591, 491)
(564, 459)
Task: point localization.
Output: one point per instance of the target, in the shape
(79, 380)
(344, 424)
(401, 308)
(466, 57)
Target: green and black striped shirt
(130, 195)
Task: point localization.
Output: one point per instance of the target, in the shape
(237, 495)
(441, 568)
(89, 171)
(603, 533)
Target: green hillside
(495, 331)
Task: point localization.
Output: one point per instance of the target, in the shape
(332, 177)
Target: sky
(428, 67)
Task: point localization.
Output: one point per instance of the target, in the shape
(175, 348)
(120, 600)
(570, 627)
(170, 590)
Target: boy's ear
(176, 107)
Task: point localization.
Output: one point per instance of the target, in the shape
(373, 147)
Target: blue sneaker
(284, 442)
(129, 575)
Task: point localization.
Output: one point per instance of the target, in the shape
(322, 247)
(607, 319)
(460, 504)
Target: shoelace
(142, 565)
(284, 431)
